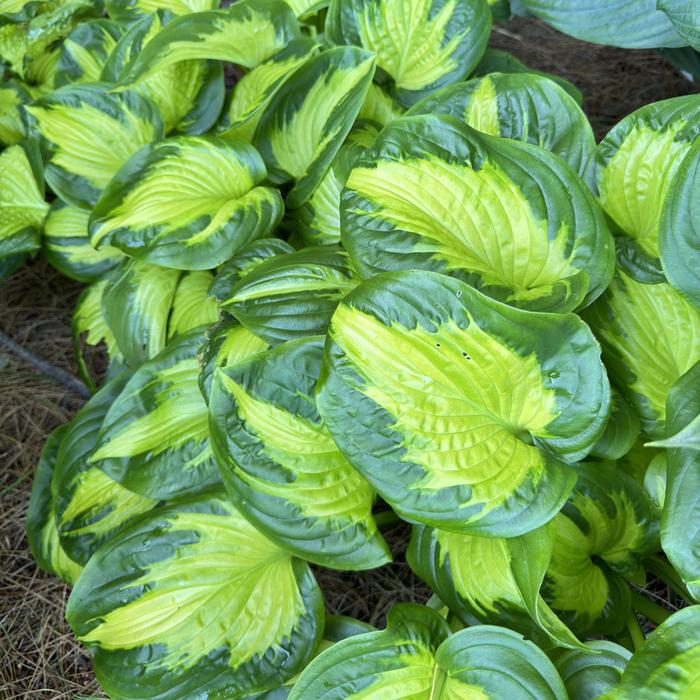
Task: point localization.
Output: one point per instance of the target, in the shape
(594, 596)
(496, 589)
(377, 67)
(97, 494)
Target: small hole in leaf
(464, 354)
(437, 345)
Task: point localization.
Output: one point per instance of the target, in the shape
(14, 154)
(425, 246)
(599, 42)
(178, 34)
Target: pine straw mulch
(38, 656)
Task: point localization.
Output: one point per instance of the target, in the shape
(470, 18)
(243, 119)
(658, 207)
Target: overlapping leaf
(42, 533)
(650, 336)
(459, 410)
(490, 579)
(421, 45)
(191, 600)
(188, 94)
(666, 667)
(155, 439)
(307, 119)
(147, 292)
(90, 506)
(601, 535)
(88, 133)
(253, 92)
(67, 245)
(519, 106)
(507, 217)
(635, 165)
(280, 464)
(188, 202)
(415, 657)
(22, 205)
(291, 295)
(679, 231)
(247, 33)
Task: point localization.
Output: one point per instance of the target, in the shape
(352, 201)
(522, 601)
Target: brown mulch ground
(38, 656)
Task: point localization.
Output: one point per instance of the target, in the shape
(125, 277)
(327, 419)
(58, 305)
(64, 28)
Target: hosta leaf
(421, 45)
(12, 97)
(291, 295)
(685, 16)
(247, 33)
(127, 10)
(90, 507)
(635, 165)
(458, 409)
(22, 205)
(621, 431)
(415, 658)
(192, 601)
(498, 61)
(253, 92)
(655, 482)
(650, 336)
(42, 533)
(26, 45)
(379, 107)
(317, 221)
(589, 673)
(666, 667)
(631, 24)
(227, 343)
(188, 202)
(85, 51)
(188, 94)
(507, 217)
(601, 535)
(679, 231)
(154, 439)
(89, 326)
(11, 264)
(519, 106)
(307, 119)
(304, 7)
(147, 292)
(68, 248)
(281, 466)
(88, 133)
(193, 305)
(244, 261)
(680, 519)
(481, 580)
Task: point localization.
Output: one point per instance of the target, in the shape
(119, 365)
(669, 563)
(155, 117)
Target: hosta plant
(379, 273)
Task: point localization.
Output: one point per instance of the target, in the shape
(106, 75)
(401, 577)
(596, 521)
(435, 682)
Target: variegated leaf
(281, 466)
(650, 336)
(601, 536)
(635, 166)
(291, 295)
(308, 118)
(415, 657)
(192, 601)
(519, 106)
(155, 438)
(188, 203)
(246, 33)
(459, 410)
(67, 245)
(421, 45)
(90, 507)
(506, 217)
(42, 533)
(88, 133)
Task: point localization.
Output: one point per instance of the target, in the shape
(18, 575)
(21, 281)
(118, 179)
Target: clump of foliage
(390, 271)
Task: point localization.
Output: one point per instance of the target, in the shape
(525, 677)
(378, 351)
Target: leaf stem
(649, 608)
(635, 631)
(386, 517)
